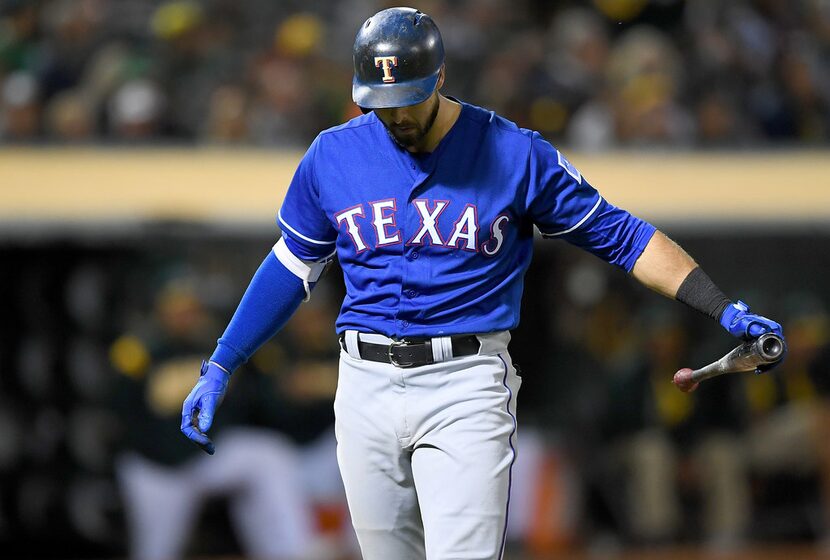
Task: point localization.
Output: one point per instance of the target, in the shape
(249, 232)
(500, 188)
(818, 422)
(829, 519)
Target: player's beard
(413, 133)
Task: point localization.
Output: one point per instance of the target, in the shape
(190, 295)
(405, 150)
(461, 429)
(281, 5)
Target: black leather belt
(409, 353)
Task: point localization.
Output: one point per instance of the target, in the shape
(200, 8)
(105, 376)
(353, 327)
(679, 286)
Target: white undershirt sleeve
(307, 271)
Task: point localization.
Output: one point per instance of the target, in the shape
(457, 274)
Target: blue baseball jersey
(437, 244)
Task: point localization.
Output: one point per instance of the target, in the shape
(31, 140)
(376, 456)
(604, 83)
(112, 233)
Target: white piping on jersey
(300, 235)
(579, 223)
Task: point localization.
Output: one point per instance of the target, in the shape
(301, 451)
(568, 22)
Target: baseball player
(430, 205)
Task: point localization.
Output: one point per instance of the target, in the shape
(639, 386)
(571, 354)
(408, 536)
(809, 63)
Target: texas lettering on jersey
(438, 244)
(381, 217)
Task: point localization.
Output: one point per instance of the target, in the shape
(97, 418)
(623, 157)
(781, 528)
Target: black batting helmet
(398, 54)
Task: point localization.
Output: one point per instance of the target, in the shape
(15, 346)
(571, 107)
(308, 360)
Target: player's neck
(448, 112)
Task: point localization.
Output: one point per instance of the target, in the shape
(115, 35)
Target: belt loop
(351, 344)
(437, 349)
(442, 348)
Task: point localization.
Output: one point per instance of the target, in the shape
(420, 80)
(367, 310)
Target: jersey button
(413, 255)
(404, 324)
(411, 293)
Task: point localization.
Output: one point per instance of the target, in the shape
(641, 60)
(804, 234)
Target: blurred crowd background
(594, 74)
(104, 327)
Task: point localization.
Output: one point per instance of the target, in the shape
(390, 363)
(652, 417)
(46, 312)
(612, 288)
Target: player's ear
(440, 78)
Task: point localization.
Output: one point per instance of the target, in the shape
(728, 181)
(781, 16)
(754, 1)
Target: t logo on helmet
(386, 62)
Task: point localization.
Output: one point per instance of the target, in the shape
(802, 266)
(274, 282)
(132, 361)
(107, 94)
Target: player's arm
(563, 205)
(284, 279)
(659, 263)
(663, 265)
(275, 292)
(666, 268)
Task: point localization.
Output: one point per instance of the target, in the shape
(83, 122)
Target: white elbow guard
(307, 271)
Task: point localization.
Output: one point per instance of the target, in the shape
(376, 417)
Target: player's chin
(407, 136)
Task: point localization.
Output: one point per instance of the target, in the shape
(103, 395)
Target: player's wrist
(699, 292)
(226, 358)
(219, 367)
(213, 373)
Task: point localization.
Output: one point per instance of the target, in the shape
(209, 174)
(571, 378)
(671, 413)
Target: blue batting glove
(742, 324)
(200, 405)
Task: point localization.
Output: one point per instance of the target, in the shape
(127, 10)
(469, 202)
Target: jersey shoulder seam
(482, 117)
(345, 126)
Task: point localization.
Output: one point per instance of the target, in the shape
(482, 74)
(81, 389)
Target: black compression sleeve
(700, 293)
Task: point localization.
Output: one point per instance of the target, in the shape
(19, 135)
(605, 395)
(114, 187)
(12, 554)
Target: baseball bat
(766, 349)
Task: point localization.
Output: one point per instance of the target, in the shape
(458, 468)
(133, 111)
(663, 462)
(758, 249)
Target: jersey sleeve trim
(579, 223)
(300, 235)
(307, 271)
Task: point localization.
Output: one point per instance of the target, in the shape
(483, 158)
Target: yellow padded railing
(214, 185)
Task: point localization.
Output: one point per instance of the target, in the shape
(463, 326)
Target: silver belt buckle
(392, 360)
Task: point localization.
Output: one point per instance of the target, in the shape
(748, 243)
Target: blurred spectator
(135, 111)
(508, 80)
(194, 53)
(645, 73)
(71, 36)
(299, 371)
(576, 60)
(789, 420)
(19, 47)
(69, 118)
(20, 107)
(804, 74)
(287, 79)
(581, 324)
(164, 480)
(719, 120)
(668, 441)
(226, 119)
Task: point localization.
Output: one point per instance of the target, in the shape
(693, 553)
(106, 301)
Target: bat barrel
(766, 349)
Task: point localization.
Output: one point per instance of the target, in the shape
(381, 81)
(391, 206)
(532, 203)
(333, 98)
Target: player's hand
(200, 405)
(741, 323)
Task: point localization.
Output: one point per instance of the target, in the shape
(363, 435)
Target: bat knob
(683, 380)
(771, 346)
